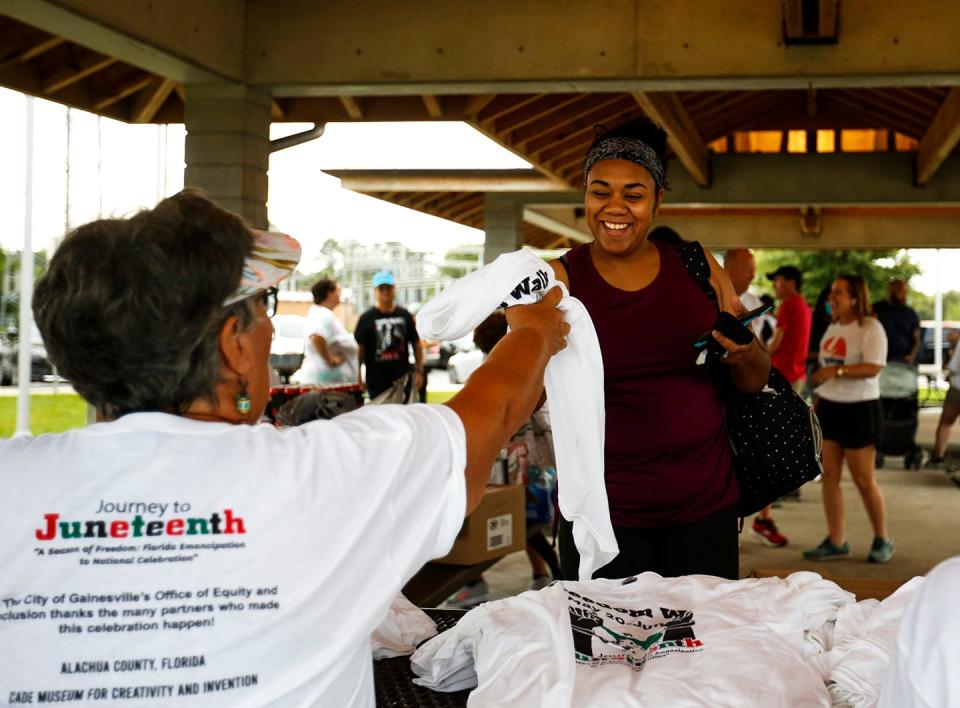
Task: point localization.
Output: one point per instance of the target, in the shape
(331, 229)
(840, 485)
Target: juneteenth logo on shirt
(53, 528)
(603, 634)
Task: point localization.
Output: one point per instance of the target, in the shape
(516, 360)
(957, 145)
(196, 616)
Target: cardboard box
(497, 527)
(862, 588)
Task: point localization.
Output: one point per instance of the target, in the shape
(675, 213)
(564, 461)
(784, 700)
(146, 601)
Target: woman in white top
(852, 352)
(329, 352)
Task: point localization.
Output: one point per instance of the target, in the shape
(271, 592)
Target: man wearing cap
(384, 335)
(788, 346)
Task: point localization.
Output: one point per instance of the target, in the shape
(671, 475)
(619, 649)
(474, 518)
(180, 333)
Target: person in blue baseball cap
(385, 333)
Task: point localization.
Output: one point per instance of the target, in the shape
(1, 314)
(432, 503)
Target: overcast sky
(139, 164)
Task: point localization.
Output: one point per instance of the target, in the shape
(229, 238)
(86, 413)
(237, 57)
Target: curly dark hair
(131, 309)
(322, 288)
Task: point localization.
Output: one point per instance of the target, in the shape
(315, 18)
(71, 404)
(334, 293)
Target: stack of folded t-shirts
(647, 640)
(404, 627)
(858, 659)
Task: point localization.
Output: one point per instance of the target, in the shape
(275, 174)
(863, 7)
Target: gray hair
(131, 309)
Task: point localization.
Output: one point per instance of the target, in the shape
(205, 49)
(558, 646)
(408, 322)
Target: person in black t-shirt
(900, 322)
(384, 334)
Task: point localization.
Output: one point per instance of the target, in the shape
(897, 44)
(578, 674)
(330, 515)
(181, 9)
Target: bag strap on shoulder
(693, 259)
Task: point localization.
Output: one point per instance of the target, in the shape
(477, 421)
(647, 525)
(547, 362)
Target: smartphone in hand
(743, 319)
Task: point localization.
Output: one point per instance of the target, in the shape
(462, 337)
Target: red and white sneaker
(768, 532)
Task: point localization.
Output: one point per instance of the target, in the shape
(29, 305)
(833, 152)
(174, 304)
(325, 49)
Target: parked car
(462, 364)
(436, 355)
(40, 367)
(286, 350)
(928, 330)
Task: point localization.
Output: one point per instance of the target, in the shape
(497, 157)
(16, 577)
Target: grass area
(48, 414)
(931, 396)
(55, 414)
(439, 396)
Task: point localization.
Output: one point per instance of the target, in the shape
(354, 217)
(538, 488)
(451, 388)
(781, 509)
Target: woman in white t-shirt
(180, 496)
(329, 352)
(852, 352)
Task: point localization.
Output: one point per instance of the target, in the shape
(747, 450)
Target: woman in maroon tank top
(669, 477)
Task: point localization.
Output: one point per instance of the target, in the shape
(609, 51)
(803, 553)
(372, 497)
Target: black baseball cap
(788, 272)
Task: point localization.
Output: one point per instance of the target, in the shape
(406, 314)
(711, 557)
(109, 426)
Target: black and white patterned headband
(630, 149)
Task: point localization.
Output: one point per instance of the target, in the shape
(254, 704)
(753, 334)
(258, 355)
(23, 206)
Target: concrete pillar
(228, 147)
(503, 225)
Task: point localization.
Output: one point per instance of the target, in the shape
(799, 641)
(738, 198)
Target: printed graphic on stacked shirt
(648, 640)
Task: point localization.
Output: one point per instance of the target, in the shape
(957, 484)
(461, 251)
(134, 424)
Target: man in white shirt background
(742, 267)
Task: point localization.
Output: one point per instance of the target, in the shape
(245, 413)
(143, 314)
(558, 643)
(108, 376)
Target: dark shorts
(851, 425)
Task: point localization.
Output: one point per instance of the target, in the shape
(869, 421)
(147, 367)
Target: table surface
(393, 679)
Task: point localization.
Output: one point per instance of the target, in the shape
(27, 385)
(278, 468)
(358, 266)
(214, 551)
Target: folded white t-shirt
(404, 627)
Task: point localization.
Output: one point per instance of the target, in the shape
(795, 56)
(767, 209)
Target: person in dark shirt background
(900, 322)
(384, 335)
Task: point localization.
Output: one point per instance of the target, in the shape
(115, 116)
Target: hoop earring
(243, 398)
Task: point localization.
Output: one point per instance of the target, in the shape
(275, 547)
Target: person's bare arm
(500, 395)
(749, 363)
(914, 346)
(853, 371)
(320, 344)
(360, 349)
(775, 341)
(419, 372)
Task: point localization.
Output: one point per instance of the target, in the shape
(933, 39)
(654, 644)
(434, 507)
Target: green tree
(459, 261)
(820, 268)
(924, 305)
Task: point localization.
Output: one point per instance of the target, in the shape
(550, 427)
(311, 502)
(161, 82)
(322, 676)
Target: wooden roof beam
(445, 180)
(352, 106)
(548, 145)
(477, 103)
(682, 135)
(32, 52)
(433, 105)
(940, 139)
(122, 92)
(555, 226)
(149, 101)
(89, 65)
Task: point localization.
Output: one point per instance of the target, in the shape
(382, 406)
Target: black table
(393, 679)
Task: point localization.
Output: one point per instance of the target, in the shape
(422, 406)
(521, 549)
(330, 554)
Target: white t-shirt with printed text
(849, 344)
(217, 564)
(696, 640)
